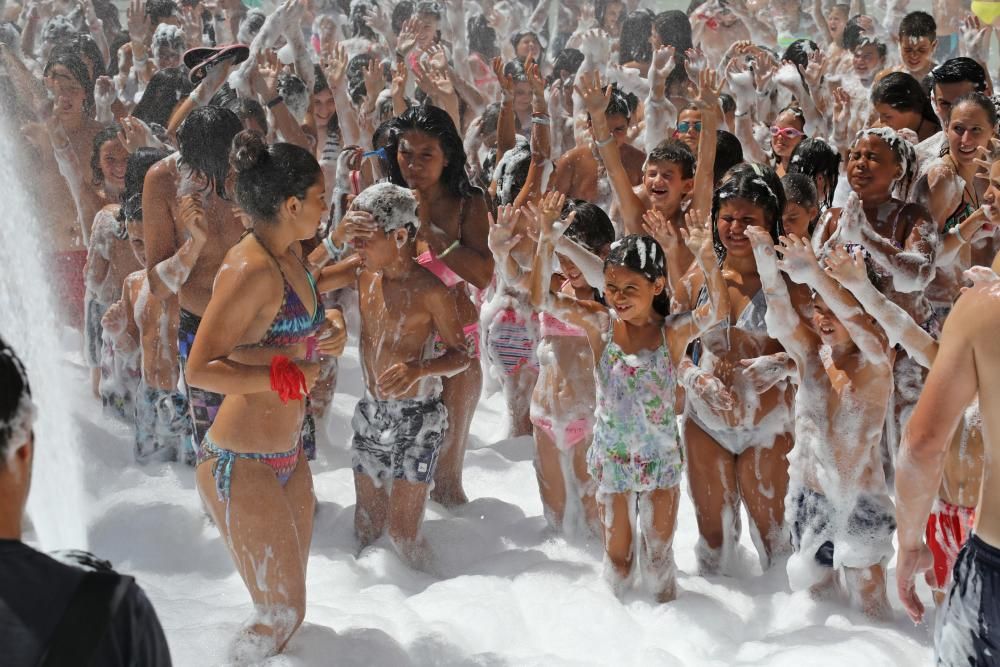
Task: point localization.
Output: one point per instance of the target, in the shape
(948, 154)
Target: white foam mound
(512, 592)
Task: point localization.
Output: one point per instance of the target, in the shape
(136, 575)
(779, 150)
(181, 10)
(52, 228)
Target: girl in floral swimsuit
(635, 457)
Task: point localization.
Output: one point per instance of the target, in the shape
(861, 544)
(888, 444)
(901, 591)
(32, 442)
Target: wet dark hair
(798, 52)
(401, 13)
(643, 255)
(856, 37)
(356, 15)
(118, 40)
(958, 70)
(204, 140)
(434, 122)
(799, 189)
(15, 389)
(138, 164)
(918, 24)
(674, 152)
(247, 108)
(356, 76)
(902, 92)
(568, 59)
(981, 101)
(515, 70)
(674, 29)
(754, 183)
(591, 228)
(320, 83)
(82, 46)
(165, 90)
(814, 157)
(634, 42)
(727, 102)
(108, 13)
(482, 37)
(267, 176)
(78, 70)
(157, 10)
(728, 154)
(903, 153)
(109, 133)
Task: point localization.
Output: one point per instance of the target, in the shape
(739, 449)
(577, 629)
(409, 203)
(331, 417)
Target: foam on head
(392, 206)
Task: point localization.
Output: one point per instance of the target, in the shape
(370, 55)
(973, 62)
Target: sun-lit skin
(871, 170)
(917, 54)
(944, 96)
(783, 146)
(796, 218)
(421, 159)
(735, 215)
(631, 294)
(867, 61)
(827, 326)
(968, 130)
(693, 133)
(665, 185)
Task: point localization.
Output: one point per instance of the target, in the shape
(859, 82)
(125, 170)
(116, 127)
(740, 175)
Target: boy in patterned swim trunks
(400, 422)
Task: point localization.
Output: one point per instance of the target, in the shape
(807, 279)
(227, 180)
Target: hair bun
(248, 152)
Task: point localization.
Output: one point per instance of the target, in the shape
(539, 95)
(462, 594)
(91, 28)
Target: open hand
(798, 260)
(398, 378)
(846, 268)
(765, 372)
(502, 239)
(661, 229)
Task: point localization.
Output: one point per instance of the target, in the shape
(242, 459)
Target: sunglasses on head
(686, 125)
(786, 132)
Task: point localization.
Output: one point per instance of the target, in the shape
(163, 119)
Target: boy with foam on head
(917, 45)
(407, 317)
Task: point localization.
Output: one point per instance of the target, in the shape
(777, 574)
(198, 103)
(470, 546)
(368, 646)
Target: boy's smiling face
(666, 186)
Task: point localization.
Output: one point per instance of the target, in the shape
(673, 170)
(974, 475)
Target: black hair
(981, 101)
(118, 40)
(902, 92)
(490, 119)
(674, 152)
(601, 8)
(204, 140)
(401, 13)
(157, 10)
(138, 164)
(633, 45)
(856, 37)
(798, 52)
(904, 154)
(727, 102)
(757, 184)
(356, 76)
(266, 176)
(568, 59)
(320, 83)
(621, 103)
(728, 154)
(958, 70)
(643, 255)
(165, 90)
(248, 108)
(511, 171)
(106, 134)
(482, 37)
(82, 46)
(918, 24)
(591, 228)
(674, 29)
(78, 70)
(799, 189)
(356, 15)
(814, 157)
(434, 122)
(15, 392)
(515, 70)
(108, 13)
(516, 38)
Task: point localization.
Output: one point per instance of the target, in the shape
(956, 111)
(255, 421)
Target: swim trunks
(93, 331)
(948, 528)
(866, 539)
(162, 426)
(398, 439)
(967, 631)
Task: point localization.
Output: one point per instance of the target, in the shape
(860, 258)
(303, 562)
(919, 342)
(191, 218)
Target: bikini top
(293, 324)
(750, 320)
(430, 261)
(553, 326)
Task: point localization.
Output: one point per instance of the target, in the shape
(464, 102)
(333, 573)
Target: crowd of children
(729, 262)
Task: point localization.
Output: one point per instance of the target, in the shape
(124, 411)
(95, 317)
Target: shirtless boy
(967, 362)
(839, 506)
(400, 423)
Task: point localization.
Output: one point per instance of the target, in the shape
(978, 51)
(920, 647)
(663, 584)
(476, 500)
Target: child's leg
(517, 389)
(715, 492)
(616, 510)
(763, 478)
(548, 470)
(406, 514)
(658, 519)
(586, 486)
(371, 509)
(461, 396)
(867, 586)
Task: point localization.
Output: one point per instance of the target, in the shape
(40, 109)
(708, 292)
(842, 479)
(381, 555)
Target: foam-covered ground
(513, 592)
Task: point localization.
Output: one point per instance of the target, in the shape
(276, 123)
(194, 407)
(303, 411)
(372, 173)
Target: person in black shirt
(51, 612)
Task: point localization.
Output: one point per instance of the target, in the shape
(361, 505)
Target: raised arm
(802, 267)
(850, 272)
(591, 266)
(709, 87)
(661, 114)
(506, 125)
(158, 196)
(596, 100)
(540, 136)
(741, 84)
(783, 321)
(950, 387)
(679, 258)
(334, 64)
